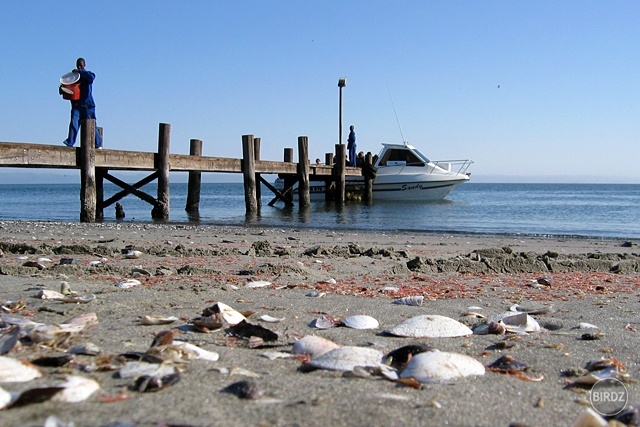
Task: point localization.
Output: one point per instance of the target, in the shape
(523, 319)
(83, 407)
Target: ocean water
(577, 210)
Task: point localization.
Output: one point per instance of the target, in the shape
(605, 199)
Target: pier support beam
(88, 171)
(339, 172)
(249, 172)
(304, 197)
(161, 209)
(256, 157)
(195, 179)
(289, 181)
(368, 179)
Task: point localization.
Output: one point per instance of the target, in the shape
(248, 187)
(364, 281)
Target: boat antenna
(404, 141)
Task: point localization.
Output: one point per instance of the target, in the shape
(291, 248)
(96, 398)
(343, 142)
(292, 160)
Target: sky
(544, 91)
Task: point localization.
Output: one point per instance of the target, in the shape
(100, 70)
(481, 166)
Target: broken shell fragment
(157, 320)
(47, 294)
(258, 284)
(128, 283)
(441, 366)
(76, 389)
(271, 319)
(231, 316)
(133, 254)
(13, 371)
(314, 346)
(430, 326)
(136, 369)
(400, 357)
(147, 383)
(412, 300)
(323, 322)
(507, 364)
(510, 322)
(244, 389)
(346, 358)
(81, 299)
(5, 396)
(360, 322)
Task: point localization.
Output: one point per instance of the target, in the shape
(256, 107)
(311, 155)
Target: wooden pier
(96, 165)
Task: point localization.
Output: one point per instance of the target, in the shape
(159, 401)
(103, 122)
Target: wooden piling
(304, 197)
(161, 209)
(249, 172)
(88, 171)
(288, 180)
(256, 157)
(100, 172)
(195, 179)
(339, 172)
(329, 183)
(368, 180)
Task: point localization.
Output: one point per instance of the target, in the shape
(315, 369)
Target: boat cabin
(397, 155)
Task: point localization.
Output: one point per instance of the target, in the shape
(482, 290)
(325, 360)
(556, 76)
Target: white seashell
(83, 319)
(76, 299)
(413, 300)
(20, 321)
(346, 358)
(474, 308)
(389, 289)
(76, 389)
(14, 371)
(95, 262)
(136, 369)
(47, 294)
(314, 346)
(128, 283)
(231, 316)
(590, 418)
(44, 259)
(258, 284)
(53, 421)
(65, 288)
(5, 398)
(517, 323)
(133, 255)
(271, 319)
(273, 355)
(22, 258)
(157, 320)
(322, 323)
(199, 353)
(89, 349)
(360, 322)
(45, 333)
(441, 366)
(586, 326)
(430, 326)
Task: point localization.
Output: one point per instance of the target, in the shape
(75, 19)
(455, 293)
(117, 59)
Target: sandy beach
(183, 270)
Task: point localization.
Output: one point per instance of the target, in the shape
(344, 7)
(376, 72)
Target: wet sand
(184, 270)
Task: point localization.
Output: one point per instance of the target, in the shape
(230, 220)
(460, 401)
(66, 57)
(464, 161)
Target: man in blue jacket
(83, 108)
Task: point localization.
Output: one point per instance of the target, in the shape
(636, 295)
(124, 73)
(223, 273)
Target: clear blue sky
(531, 91)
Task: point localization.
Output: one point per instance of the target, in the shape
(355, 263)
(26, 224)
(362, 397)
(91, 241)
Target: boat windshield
(401, 156)
(422, 156)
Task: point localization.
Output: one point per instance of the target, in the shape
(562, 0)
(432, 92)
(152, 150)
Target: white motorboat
(404, 173)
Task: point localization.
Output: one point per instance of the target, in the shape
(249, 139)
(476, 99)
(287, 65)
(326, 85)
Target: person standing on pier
(351, 146)
(83, 108)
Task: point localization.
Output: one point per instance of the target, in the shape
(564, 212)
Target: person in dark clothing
(83, 108)
(351, 146)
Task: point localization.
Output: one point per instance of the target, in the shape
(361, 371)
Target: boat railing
(449, 165)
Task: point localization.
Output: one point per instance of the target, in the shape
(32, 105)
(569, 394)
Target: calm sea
(589, 210)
